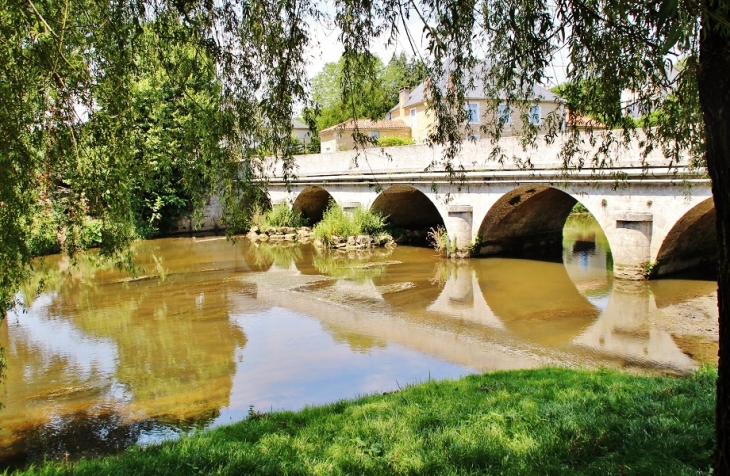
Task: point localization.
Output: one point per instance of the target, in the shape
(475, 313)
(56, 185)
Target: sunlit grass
(337, 222)
(278, 216)
(546, 421)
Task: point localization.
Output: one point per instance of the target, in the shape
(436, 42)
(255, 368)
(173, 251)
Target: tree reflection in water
(125, 359)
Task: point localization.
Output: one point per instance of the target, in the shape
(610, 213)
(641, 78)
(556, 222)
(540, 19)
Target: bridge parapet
(476, 163)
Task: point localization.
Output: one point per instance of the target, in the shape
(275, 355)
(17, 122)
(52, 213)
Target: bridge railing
(423, 162)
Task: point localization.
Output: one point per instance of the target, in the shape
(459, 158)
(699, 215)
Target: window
(375, 135)
(504, 113)
(535, 115)
(473, 113)
(413, 118)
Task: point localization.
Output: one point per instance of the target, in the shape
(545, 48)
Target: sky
(326, 48)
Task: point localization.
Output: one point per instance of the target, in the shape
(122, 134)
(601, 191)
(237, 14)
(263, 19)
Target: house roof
(367, 124)
(297, 124)
(418, 95)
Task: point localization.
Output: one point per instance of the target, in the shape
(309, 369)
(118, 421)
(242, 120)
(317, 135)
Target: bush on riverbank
(278, 216)
(545, 421)
(336, 223)
(48, 233)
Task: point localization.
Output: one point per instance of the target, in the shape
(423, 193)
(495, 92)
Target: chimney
(403, 96)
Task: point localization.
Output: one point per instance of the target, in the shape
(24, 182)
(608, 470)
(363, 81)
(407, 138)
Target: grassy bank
(547, 421)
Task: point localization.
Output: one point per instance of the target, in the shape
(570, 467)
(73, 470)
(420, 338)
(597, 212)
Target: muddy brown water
(209, 330)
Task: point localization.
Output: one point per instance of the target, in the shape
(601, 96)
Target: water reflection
(208, 328)
(624, 331)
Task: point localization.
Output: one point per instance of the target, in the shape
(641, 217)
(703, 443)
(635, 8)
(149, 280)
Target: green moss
(545, 421)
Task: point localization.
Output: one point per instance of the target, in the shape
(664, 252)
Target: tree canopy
(338, 100)
(72, 85)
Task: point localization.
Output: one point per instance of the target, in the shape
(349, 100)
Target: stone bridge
(656, 217)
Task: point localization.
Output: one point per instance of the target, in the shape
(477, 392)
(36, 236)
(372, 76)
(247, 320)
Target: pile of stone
(304, 234)
(280, 234)
(360, 242)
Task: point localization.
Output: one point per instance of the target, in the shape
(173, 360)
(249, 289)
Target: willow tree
(66, 61)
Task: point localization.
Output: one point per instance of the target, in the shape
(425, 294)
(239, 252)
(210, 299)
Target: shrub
(43, 238)
(368, 223)
(395, 141)
(91, 233)
(280, 215)
(439, 240)
(336, 222)
(44, 234)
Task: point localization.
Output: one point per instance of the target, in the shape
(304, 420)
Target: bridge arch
(409, 209)
(312, 203)
(527, 222)
(691, 243)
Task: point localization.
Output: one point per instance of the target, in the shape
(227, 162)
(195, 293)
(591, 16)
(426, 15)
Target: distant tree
(341, 97)
(58, 56)
(402, 72)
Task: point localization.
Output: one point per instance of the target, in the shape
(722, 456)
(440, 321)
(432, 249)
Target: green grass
(278, 216)
(337, 222)
(546, 421)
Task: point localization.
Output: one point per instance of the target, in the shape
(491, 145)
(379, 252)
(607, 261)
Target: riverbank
(544, 421)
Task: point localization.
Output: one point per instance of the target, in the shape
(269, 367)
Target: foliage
(439, 240)
(337, 222)
(341, 93)
(101, 104)
(544, 421)
(43, 239)
(649, 268)
(579, 208)
(176, 127)
(68, 115)
(278, 216)
(391, 141)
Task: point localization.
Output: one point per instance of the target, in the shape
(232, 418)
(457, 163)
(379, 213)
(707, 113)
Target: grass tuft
(337, 222)
(280, 215)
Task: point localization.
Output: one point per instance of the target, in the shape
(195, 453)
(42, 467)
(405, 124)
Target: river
(208, 331)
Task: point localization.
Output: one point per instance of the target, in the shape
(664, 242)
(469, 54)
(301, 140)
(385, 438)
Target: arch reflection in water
(233, 325)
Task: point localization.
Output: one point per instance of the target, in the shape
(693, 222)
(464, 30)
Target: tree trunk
(714, 89)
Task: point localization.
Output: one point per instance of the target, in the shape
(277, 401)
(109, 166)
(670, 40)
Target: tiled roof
(418, 95)
(367, 124)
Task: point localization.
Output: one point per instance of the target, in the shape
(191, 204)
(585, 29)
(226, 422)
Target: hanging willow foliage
(71, 139)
